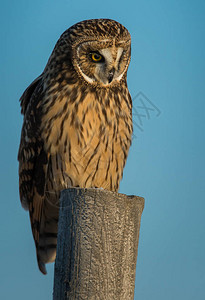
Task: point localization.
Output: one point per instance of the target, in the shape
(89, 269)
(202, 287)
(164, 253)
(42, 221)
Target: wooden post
(98, 235)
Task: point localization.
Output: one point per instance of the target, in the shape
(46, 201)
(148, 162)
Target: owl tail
(41, 266)
(46, 248)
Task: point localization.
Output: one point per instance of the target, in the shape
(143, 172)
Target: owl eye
(96, 57)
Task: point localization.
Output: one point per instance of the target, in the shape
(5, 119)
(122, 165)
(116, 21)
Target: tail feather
(46, 248)
(41, 266)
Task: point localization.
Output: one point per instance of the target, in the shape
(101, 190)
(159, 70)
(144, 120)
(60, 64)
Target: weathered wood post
(98, 235)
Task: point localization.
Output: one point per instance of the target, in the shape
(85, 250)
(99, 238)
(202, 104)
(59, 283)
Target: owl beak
(111, 75)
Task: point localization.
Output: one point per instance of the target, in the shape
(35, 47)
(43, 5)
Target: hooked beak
(111, 74)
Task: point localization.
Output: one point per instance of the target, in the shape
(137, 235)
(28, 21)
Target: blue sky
(166, 162)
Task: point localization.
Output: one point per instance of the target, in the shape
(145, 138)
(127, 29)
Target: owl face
(95, 51)
(102, 62)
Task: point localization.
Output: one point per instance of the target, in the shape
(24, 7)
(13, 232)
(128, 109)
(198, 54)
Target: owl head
(98, 50)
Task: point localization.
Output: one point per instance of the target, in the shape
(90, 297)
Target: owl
(77, 126)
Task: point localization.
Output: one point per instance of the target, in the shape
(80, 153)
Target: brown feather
(77, 131)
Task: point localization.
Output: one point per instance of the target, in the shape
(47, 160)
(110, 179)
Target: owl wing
(32, 158)
(28, 93)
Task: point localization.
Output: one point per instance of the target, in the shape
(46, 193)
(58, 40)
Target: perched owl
(77, 125)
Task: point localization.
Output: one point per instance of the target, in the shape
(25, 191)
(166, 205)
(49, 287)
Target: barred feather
(75, 132)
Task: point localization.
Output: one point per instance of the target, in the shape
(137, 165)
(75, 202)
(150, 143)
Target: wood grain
(97, 245)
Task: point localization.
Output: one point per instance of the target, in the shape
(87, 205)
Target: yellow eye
(96, 57)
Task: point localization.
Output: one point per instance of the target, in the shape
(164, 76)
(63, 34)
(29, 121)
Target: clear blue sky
(166, 163)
